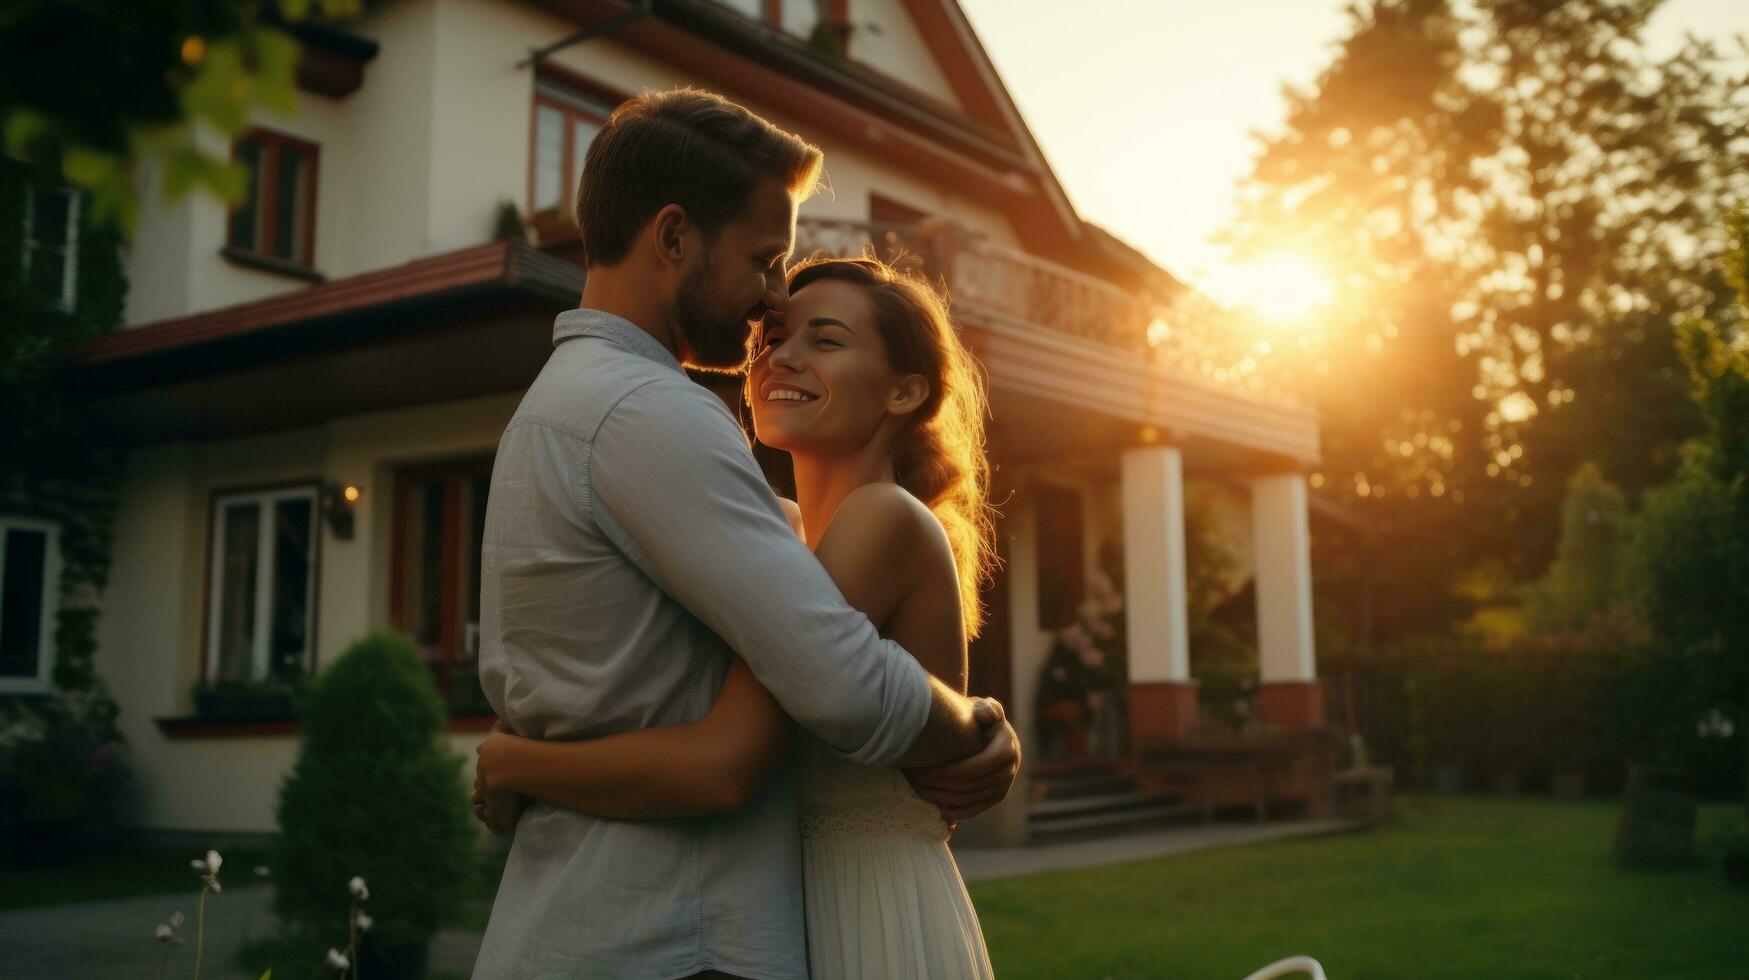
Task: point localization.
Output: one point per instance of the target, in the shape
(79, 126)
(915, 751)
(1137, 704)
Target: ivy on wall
(62, 763)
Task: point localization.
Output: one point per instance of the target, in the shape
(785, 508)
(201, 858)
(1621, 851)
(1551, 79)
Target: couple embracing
(733, 734)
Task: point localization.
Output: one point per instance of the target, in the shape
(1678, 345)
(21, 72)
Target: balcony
(1183, 338)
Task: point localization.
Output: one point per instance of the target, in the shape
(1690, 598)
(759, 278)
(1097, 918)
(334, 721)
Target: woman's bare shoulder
(892, 525)
(793, 511)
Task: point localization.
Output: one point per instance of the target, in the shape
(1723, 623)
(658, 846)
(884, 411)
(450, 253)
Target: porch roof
(464, 323)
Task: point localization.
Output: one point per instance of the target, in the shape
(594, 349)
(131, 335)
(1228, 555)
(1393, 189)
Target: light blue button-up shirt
(630, 543)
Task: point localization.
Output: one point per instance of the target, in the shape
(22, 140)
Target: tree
(148, 73)
(1516, 201)
(1690, 558)
(1585, 579)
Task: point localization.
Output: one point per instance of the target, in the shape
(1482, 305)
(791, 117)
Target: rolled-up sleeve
(669, 478)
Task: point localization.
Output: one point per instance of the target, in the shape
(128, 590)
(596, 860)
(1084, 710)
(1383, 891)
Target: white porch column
(1162, 695)
(1291, 698)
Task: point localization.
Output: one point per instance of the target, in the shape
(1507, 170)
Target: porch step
(1049, 818)
(1083, 785)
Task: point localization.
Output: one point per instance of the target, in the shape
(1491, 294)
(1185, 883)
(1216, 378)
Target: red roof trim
(480, 265)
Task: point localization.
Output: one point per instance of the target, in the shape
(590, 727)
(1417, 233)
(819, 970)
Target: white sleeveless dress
(884, 898)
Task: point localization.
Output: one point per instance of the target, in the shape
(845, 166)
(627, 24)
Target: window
(565, 123)
(1061, 560)
(440, 522)
(261, 603)
(277, 219)
(797, 17)
(51, 243)
(30, 576)
(883, 210)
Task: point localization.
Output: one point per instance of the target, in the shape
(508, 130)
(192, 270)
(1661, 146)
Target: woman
(867, 386)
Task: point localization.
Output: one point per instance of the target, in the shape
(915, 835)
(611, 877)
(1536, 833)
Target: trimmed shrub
(376, 794)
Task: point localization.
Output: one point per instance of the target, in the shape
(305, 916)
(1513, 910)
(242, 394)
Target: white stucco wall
(373, 154)
(151, 628)
(884, 38)
(415, 161)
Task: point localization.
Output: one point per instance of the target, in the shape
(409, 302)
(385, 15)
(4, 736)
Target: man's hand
(964, 789)
(497, 809)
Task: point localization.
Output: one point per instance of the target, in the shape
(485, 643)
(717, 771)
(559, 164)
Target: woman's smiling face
(821, 380)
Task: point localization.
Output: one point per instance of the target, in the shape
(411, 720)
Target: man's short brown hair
(683, 146)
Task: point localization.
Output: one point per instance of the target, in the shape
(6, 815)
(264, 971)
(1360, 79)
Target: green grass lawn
(1456, 888)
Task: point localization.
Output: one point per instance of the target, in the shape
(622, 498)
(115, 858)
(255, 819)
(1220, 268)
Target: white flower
(337, 960)
(1099, 586)
(213, 883)
(166, 931)
(213, 861)
(198, 865)
(1715, 724)
(357, 888)
(261, 871)
(364, 922)
(1075, 637)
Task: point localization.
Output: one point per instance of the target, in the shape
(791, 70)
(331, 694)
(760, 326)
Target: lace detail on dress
(896, 818)
(842, 799)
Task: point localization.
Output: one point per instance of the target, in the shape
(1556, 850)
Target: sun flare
(1282, 288)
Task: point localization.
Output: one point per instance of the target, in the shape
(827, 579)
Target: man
(631, 543)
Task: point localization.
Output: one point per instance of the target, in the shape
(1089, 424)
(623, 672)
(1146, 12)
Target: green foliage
(1684, 543)
(1690, 559)
(64, 774)
(147, 74)
(1589, 701)
(509, 226)
(1585, 578)
(52, 472)
(1518, 200)
(376, 794)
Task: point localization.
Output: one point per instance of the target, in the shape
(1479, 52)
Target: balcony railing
(1186, 334)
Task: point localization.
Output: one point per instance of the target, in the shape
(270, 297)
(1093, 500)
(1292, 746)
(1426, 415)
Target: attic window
(795, 17)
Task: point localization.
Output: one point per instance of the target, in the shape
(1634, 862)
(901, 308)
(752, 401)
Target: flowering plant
(63, 771)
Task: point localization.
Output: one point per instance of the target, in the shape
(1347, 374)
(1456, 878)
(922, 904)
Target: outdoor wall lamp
(337, 501)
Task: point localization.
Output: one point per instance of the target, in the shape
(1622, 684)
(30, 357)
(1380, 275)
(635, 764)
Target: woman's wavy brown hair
(940, 457)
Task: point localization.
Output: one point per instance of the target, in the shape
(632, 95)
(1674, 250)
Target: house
(310, 386)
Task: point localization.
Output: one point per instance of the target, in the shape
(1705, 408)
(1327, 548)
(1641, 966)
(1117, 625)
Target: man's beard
(714, 340)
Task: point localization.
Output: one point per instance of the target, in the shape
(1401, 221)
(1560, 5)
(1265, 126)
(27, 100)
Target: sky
(1144, 108)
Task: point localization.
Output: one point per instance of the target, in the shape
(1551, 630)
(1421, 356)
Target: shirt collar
(616, 330)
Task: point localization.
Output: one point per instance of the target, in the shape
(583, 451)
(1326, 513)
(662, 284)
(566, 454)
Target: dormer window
(797, 17)
(566, 120)
(277, 220)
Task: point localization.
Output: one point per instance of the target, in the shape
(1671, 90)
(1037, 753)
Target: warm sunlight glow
(1284, 288)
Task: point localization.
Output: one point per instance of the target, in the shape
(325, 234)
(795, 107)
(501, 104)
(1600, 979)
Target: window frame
(51, 601)
(68, 301)
(452, 473)
(266, 495)
(574, 99)
(266, 187)
(770, 14)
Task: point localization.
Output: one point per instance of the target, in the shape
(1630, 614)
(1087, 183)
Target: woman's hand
(964, 789)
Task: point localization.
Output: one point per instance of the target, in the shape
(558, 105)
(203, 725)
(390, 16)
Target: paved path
(987, 863)
(113, 939)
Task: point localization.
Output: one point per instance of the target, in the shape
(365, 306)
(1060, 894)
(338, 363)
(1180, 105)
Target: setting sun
(1282, 287)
